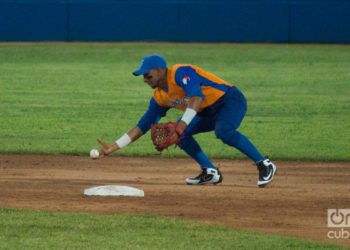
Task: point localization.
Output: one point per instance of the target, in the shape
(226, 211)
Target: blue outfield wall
(170, 20)
(33, 21)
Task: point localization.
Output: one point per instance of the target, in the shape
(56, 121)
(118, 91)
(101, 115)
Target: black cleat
(266, 172)
(208, 176)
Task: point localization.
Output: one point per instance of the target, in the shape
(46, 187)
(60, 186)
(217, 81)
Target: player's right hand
(106, 148)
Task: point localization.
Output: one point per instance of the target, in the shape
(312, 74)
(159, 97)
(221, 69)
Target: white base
(114, 190)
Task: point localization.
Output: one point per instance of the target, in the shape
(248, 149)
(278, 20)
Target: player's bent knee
(222, 130)
(227, 135)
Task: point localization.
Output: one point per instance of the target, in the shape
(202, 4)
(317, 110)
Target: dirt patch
(295, 204)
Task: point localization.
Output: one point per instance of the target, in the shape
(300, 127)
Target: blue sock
(243, 144)
(191, 147)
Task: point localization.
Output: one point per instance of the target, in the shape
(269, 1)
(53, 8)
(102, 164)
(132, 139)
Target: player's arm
(189, 81)
(190, 112)
(131, 136)
(151, 116)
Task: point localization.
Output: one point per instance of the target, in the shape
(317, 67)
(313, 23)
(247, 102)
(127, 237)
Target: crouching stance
(209, 104)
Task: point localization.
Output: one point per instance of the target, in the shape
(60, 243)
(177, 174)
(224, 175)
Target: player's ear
(161, 71)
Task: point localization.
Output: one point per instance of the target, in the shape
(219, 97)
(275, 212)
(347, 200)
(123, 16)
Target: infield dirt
(294, 204)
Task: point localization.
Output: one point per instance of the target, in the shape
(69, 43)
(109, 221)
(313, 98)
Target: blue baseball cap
(150, 62)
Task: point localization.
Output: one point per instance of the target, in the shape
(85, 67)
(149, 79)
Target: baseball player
(209, 104)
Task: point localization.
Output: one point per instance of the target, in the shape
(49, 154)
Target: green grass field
(48, 230)
(58, 98)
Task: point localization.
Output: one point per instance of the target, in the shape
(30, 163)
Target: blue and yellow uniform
(222, 110)
(186, 81)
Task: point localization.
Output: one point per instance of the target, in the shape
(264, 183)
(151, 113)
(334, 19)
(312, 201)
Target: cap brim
(140, 72)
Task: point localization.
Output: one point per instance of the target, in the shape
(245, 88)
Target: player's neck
(164, 82)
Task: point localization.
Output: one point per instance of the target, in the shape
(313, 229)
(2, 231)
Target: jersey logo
(183, 102)
(185, 80)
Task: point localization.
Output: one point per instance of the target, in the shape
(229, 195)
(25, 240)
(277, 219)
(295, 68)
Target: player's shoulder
(181, 71)
(183, 68)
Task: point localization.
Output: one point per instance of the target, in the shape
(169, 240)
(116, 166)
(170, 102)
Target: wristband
(188, 115)
(123, 141)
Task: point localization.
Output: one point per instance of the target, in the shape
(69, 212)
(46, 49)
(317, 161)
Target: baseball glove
(164, 135)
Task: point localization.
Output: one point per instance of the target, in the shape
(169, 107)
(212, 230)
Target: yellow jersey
(185, 81)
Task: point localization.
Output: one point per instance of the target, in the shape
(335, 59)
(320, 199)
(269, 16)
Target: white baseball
(94, 154)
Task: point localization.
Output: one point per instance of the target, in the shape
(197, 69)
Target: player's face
(152, 78)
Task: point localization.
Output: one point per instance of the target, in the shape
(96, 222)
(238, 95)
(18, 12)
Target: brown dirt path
(295, 204)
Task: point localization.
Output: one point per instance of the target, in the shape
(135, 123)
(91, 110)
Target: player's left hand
(164, 135)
